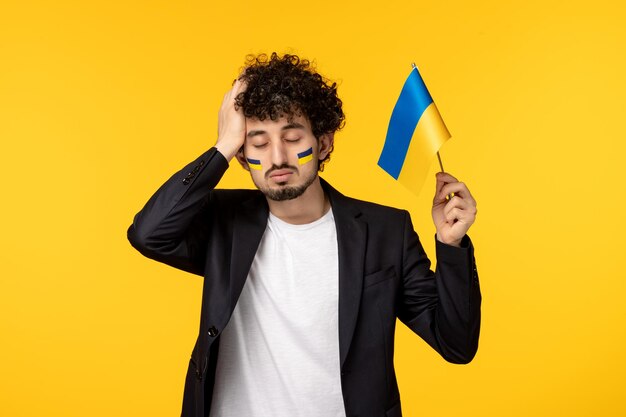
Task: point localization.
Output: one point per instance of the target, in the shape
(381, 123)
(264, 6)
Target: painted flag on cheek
(416, 132)
(254, 163)
(306, 156)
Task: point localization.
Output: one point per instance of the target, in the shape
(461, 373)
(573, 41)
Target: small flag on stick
(415, 134)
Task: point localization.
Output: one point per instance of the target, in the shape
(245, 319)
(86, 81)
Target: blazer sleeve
(442, 307)
(172, 226)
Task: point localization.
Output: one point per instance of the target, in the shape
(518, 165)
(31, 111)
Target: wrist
(228, 150)
(455, 243)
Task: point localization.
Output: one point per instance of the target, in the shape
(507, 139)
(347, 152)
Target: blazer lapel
(250, 222)
(351, 243)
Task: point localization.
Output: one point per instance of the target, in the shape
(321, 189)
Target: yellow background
(101, 101)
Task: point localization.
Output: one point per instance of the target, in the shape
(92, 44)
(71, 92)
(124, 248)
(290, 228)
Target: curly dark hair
(287, 86)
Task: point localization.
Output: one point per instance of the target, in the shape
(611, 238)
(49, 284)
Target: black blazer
(384, 273)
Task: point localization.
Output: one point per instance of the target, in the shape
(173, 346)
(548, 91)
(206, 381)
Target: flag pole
(440, 164)
(449, 196)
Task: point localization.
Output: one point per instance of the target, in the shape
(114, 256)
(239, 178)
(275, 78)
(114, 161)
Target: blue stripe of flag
(305, 153)
(414, 99)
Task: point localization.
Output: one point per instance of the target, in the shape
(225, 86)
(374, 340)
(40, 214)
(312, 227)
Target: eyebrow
(294, 125)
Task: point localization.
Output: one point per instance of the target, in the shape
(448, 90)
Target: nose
(279, 153)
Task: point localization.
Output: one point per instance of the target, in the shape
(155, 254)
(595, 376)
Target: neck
(307, 208)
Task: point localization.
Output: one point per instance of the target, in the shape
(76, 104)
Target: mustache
(276, 168)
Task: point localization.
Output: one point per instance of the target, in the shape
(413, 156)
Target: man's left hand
(453, 217)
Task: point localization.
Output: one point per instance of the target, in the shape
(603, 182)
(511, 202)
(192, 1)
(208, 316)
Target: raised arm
(444, 307)
(172, 227)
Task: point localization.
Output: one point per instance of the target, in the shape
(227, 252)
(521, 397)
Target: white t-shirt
(279, 353)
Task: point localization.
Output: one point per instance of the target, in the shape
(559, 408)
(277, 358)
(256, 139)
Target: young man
(303, 285)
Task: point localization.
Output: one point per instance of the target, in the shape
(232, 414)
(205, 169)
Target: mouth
(281, 175)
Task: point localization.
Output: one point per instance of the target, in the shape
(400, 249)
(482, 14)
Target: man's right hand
(231, 126)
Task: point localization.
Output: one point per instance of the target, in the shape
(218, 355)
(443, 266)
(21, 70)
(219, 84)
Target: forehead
(255, 126)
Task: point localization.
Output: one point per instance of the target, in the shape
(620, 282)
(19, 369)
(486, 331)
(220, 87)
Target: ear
(242, 159)
(326, 142)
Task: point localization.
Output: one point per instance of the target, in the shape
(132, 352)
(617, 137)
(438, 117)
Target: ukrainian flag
(415, 134)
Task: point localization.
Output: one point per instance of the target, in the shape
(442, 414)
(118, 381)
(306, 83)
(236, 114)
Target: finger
(443, 178)
(456, 202)
(438, 186)
(467, 211)
(239, 86)
(458, 188)
(468, 207)
(453, 187)
(453, 215)
(236, 84)
(229, 98)
(458, 215)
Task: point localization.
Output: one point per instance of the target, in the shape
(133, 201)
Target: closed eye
(294, 140)
(262, 145)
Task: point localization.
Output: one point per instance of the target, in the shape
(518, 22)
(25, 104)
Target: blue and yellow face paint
(254, 163)
(306, 156)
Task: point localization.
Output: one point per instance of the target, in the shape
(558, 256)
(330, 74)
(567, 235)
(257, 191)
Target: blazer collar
(250, 220)
(351, 244)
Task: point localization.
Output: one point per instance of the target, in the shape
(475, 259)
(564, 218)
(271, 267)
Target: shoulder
(378, 212)
(368, 210)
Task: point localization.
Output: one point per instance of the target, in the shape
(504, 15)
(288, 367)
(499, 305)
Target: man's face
(283, 156)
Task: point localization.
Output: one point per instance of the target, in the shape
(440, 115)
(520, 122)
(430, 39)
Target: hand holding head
(231, 122)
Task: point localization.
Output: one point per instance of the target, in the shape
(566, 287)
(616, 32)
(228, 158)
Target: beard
(286, 192)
